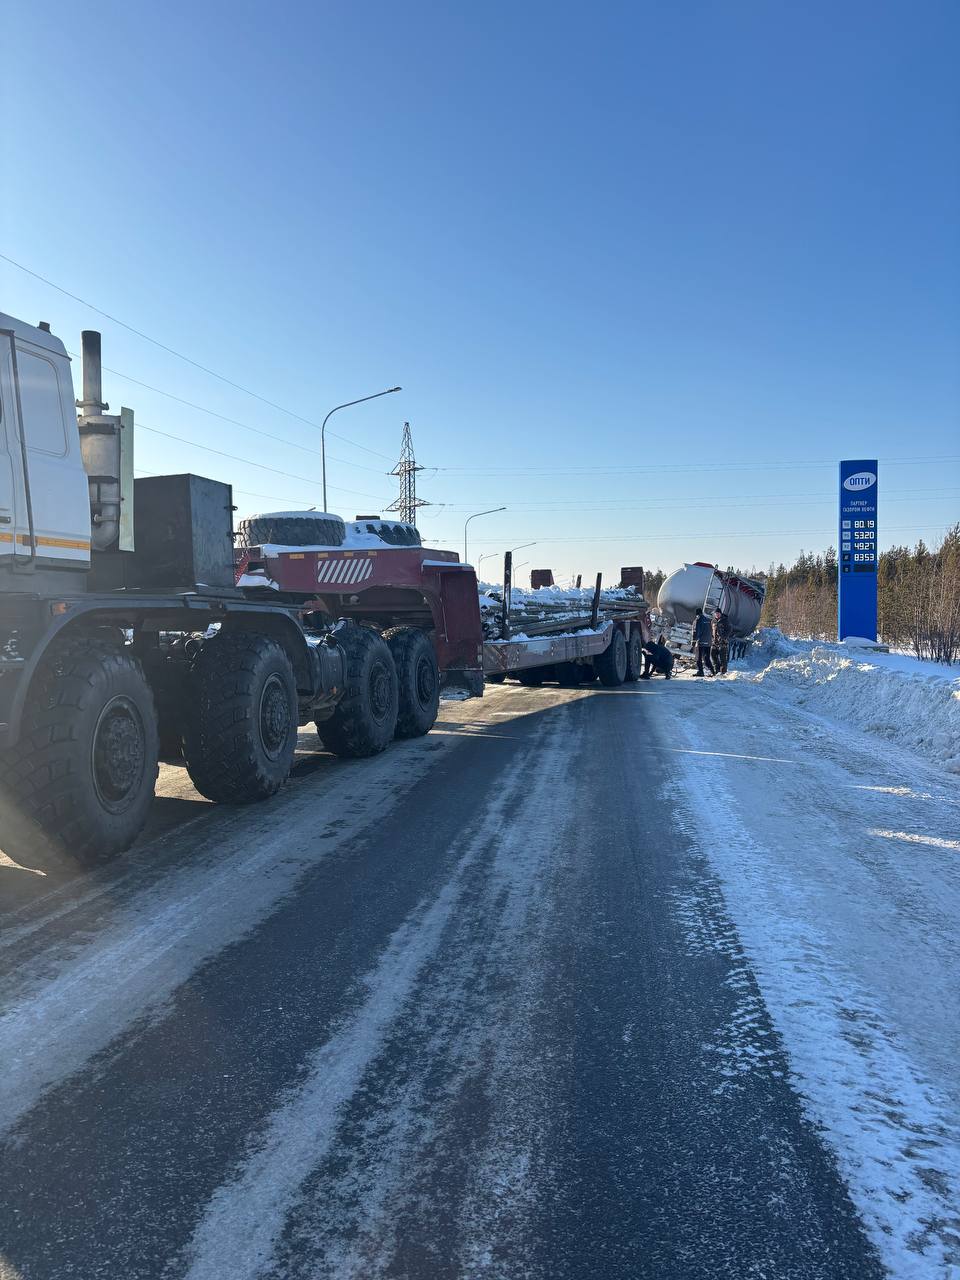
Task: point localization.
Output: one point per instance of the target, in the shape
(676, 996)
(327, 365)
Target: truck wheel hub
(118, 753)
(274, 716)
(380, 691)
(426, 681)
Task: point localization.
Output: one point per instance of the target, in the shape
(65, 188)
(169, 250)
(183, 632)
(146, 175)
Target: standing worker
(721, 642)
(702, 640)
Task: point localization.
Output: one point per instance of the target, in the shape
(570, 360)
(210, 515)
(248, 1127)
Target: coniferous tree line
(918, 597)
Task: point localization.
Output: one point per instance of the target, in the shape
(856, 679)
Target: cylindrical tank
(684, 592)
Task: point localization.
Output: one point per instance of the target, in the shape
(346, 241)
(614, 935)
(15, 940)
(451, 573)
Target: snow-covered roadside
(915, 705)
(837, 862)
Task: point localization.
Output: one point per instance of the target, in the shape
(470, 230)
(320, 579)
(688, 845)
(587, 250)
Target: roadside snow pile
(913, 704)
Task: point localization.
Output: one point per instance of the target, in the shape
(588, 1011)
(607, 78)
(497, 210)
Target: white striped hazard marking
(345, 573)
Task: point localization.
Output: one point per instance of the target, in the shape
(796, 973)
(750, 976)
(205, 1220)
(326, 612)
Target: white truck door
(59, 496)
(12, 504)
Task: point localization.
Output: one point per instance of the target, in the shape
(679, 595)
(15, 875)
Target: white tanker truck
(704, 586)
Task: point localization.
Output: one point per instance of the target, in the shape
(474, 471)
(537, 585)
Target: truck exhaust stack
(106, 446)
(92, 403)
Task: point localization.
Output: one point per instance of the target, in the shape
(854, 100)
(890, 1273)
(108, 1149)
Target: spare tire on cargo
(395, 533)
(292, 529)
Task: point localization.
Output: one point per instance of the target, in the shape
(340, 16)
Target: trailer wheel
(495, 677)
(634, 657)
(418, 681)
(611, 665)
(587, 672)
(82, 777)
(241, 720)
(533, 677)
(365, 719)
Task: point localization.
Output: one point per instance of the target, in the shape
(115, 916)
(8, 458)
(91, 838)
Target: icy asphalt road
(658, 982)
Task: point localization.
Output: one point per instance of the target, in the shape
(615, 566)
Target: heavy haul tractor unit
(127, 632)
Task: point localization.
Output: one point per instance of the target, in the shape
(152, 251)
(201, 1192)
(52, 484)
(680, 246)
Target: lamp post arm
(323, 431)
(474, 517)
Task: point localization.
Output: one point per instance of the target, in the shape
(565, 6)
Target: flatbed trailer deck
(502, 657)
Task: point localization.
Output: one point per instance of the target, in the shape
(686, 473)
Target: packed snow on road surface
(816, 782)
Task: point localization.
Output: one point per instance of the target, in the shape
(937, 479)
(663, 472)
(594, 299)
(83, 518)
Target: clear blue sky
(644, 270)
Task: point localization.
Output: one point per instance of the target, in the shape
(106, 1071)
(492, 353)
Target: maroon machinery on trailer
(373, 572)
(378, 575)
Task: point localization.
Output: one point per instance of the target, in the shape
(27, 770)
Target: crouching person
(657, 660)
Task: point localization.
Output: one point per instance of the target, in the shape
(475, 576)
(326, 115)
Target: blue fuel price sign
(857, 550)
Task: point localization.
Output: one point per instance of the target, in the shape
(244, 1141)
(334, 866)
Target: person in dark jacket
(721, 642)
(702, 642)
(657, 660)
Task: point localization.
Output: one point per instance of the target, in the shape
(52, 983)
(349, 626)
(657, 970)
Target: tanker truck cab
(44, 505)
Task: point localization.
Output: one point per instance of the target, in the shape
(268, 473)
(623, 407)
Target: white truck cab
(44, 491)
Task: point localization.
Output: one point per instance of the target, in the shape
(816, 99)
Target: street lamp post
(474, 517)
(323, 430)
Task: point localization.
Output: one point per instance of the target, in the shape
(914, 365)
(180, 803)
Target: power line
(235, 422)
(173, 352)
(142, 426)
(552, 508)
(705, 506)
(492, 472)
(684, 468)
(689, 537)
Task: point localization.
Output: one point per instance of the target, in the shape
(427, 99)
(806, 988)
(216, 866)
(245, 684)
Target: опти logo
(860, 480)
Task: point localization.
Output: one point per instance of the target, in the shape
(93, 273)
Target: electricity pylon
(406, 505)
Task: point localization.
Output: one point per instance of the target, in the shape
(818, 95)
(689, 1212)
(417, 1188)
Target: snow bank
(913, 704)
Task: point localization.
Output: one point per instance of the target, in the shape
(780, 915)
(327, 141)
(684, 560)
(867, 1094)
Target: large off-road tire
(292, 529)
(394, 533)
(611, 665)
(82, 776)
(634, 656)
(418, 681)
(365, 719)
(240, 726)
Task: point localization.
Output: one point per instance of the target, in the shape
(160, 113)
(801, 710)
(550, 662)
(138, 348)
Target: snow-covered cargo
(570, 635)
